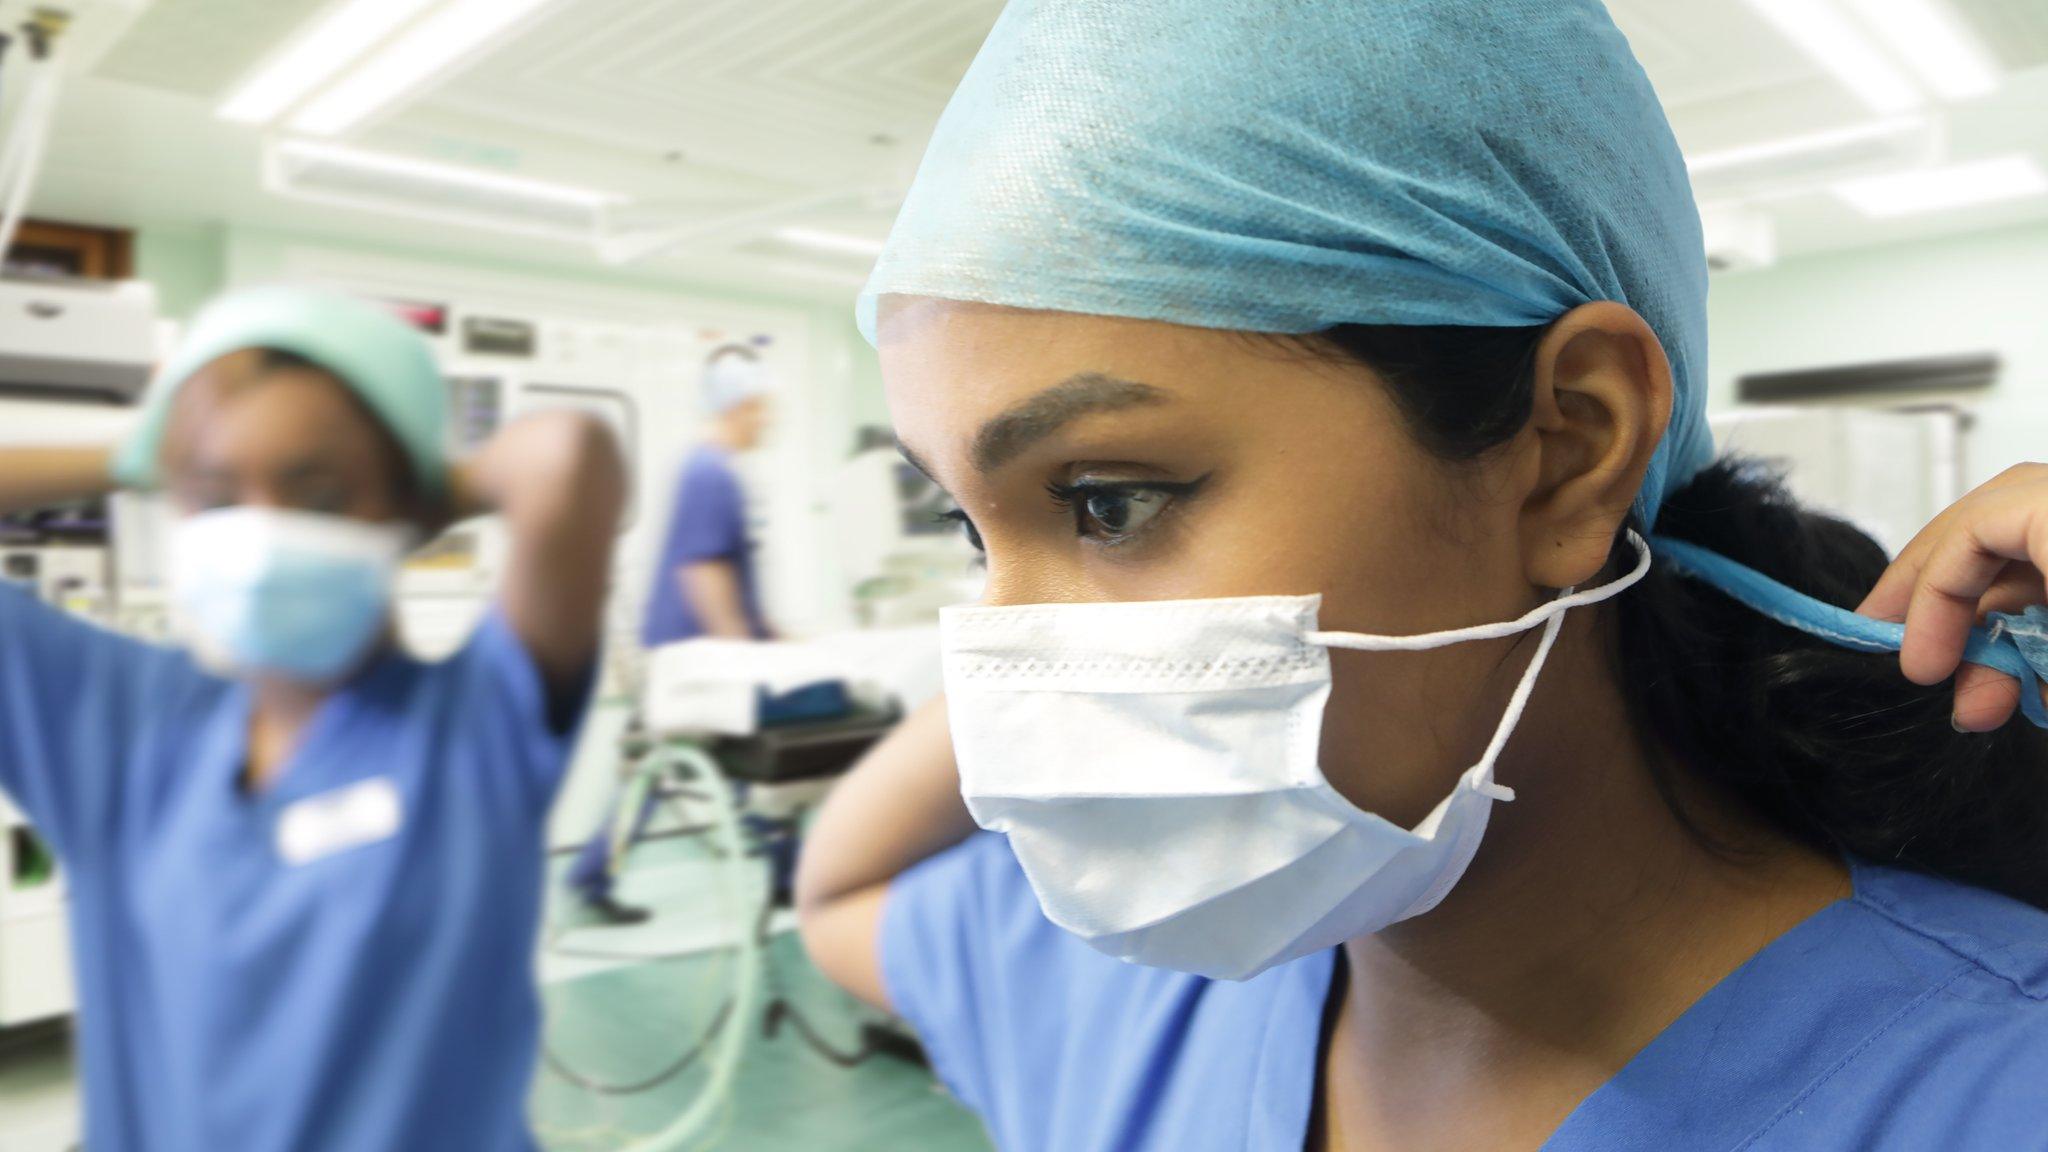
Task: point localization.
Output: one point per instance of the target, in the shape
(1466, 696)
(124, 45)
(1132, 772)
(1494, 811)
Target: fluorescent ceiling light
(1823, 33)
(1956, 186)
(1833, 138)
(837, 242)
(330, 44)
(409, 61)
(1934, 42)
(497, 183)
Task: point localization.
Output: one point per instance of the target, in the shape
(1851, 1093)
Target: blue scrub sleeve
(545, 728)
(74, 699)
(971, 962)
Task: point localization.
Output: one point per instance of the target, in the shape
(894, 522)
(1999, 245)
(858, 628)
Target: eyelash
(1073, 500)
(957, 516)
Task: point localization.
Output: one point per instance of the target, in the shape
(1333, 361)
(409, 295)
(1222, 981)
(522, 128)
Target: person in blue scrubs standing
(1392, 726)
(304, 869)
(704, 581)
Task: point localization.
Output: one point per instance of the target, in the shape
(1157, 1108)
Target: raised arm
(899, 805)
(559, 480)
(71, 695)
(33, 478)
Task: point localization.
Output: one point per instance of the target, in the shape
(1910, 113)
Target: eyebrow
(309, 467)
(1006, 436)
(295, 472)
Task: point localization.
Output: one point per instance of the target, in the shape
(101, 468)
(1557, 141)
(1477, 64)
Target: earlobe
(1601, 400)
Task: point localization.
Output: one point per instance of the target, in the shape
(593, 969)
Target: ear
(1601, 400)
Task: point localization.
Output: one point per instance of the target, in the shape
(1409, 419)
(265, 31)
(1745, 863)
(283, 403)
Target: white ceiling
(701, 109)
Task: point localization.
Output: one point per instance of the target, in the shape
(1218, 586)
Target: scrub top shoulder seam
(1855, 1054)
(2033, 986)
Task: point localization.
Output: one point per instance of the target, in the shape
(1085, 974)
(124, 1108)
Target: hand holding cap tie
(1982, 559)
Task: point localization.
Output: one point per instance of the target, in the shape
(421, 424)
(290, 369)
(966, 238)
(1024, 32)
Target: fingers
(2004, 526)
(1894, 590)
(1893, 593)
(1985, 699)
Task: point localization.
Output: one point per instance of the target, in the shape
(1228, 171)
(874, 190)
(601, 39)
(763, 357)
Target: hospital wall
(1974, 293)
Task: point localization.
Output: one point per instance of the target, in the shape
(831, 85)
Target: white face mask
(1154, 765)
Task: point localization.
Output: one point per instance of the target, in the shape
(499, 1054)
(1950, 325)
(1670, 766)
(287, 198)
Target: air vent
(203, 47)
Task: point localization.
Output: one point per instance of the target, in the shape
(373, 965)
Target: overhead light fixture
(838, 243)
(1934, 42)
(1956, 186)
(1836, 138)
(433, 172)
(1838, 45)
(428, 48)
(330, 44)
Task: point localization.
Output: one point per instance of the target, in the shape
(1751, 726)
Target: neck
(1589, 921)
(726, 436)
(281, 711)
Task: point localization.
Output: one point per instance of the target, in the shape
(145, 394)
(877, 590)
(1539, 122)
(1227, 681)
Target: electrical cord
(748, 958)
(778, 1011)
(710, 1113)
(680, 1065)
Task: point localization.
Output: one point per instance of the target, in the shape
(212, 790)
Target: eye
(329, 500)
(1115, 512)
(956, 516)
(1118, 512)
(319, 494)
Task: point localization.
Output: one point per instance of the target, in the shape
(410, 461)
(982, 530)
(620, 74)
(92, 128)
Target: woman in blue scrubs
(304, 869)
(1401, 731)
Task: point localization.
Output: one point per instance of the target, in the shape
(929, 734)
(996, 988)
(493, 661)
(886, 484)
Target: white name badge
(351, 817)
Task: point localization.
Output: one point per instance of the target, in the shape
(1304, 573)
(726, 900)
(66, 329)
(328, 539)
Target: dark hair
(1835, 748)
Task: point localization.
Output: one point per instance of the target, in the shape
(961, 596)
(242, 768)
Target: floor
(623, 1005)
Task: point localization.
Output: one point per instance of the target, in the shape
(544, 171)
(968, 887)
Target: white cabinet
(35, 937)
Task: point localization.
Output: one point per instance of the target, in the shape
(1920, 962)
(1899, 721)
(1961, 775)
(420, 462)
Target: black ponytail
(1832, 747)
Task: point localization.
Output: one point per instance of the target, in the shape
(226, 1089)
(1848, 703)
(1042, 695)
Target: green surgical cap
(378, 357)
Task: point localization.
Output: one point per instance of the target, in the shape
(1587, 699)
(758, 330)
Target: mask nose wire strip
(1564, 603)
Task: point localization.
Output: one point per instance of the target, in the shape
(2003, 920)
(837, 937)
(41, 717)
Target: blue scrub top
(709, 522)
(1911, 1016)
(375, 998)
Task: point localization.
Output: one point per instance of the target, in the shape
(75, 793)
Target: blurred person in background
(305, 869)
(704, 583)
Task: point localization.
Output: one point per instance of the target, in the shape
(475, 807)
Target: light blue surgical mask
(295, 594)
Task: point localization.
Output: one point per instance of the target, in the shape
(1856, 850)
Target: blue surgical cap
(731, 379)
(376, 355)
(1288, 166)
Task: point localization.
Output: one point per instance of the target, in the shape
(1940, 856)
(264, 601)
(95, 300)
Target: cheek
(1396, 547)
(1392, 740)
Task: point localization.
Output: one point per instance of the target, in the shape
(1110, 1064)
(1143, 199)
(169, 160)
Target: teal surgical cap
(379, 357)
(1292, 165)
